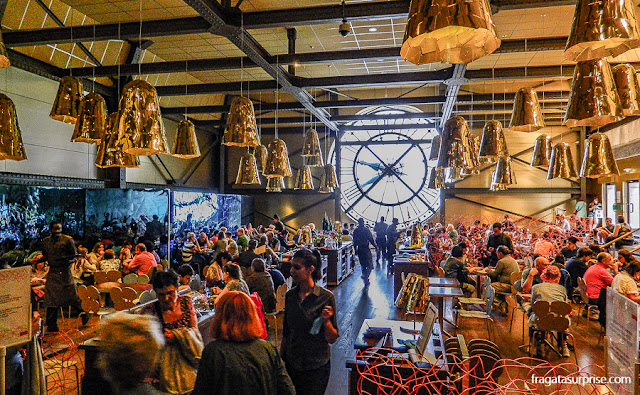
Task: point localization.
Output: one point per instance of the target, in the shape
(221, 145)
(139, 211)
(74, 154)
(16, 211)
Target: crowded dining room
(319, 197)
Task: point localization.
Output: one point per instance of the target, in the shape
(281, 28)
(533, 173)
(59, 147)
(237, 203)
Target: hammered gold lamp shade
(448, 31)
(526, 115)
(275, 184)
(4, 59)
(261, 157)
(328, 180)
(248, 170)
(241, 130)
(493, 144)
(11, 146)
(66, 106)
(503, 175)
(186, 145)
(110, 152)
(277, 160)
(416, 236)
(311, 144)
(140, 125)
(593, 100)
(541, 152)
(626, 81)
(598, 160)
(304, 179)
(602, 28)
(561, 162)
(456, 151)
(93, 117)
(313, 161)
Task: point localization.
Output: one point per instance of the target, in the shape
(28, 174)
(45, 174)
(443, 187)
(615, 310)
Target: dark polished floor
(355, 304)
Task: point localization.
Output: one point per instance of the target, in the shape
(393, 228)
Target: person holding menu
(309, 326)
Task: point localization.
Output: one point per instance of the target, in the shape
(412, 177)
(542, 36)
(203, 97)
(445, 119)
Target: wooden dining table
(440, 294)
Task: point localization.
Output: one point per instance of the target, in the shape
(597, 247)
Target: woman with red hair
(229, 363)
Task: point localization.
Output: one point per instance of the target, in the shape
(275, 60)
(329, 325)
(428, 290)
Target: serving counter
(340, 262)
(94, 384)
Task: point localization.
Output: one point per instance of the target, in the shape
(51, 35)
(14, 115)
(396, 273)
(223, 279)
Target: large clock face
(384, 173)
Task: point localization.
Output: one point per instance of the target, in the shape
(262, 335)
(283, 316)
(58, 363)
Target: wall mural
(125, 213)
(199, 211)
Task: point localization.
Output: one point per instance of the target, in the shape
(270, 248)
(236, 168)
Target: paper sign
(15, 303)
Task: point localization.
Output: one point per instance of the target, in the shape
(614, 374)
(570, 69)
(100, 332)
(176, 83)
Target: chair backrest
(515, 277)
(131, 278)
(91, 301)
(440, 271)
(582, 287)
(147, 296)
(82, 291)
(125, 299)
(280, 294)
(552, 316)
(114, 275)
(143, 279)
(100, 277)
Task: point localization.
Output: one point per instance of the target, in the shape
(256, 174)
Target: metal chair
(584, 299)
(131, 278)
(489, 295)
(59, 355)
(114, 276)
(477, 302)
(552, 318)
(100, 277)
(143, 279)
(123, 298)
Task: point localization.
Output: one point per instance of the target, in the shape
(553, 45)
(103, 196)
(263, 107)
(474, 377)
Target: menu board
(15, 314)
(623, 336)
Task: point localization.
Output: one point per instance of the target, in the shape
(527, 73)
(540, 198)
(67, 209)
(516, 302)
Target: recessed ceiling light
(296, 64)
(373, 29)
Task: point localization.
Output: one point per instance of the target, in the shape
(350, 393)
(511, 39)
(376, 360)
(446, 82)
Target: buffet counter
(92, 381)
(340, 262)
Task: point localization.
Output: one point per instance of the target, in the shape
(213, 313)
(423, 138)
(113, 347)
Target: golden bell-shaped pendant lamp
(248, 170)
(261, 154)
(11, 146)
(626, 81)
(277, 160)
(140, 125)
(448, 31)
(241, 130)
(328, 180)
(110, 152)
(186, 145)
(311, 144)
(602, 28)
(492, 145)
(541, 152)
(313, 161)
(416, 236)
(304, 179)
(455, 145)
(497, 187)
(92, 119)
(436, 179)
(66, 106)
(503, 175)
(593, 100)
(435, 148)
(561, 162)
(598, 160)
(4, 59)
(526, 115)
(275, 184)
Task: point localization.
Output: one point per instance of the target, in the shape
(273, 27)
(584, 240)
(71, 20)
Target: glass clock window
(384, 171)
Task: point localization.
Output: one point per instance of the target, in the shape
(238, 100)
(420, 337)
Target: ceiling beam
(453, 87)
(115, 31)
(213, 64)
(500, 5)
(325, 14)
(210, 10)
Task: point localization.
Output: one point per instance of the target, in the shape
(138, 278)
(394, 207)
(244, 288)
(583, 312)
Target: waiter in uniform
(60, 289)
(362, 237)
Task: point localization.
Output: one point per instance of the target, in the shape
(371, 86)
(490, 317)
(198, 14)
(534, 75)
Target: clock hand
(374, 166)
(371, 181)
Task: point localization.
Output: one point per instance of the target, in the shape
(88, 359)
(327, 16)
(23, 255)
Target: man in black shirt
(571, 249)
(279, 226)
(496, 239)
(362, 237)
(246, 257)
(392, 237)
(577, 266)
(381, 239)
